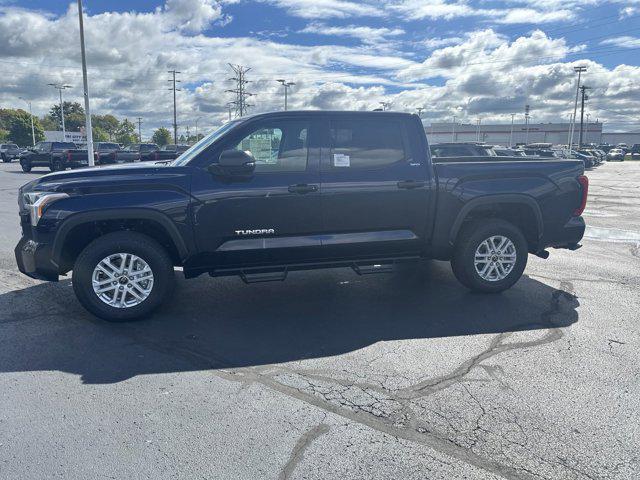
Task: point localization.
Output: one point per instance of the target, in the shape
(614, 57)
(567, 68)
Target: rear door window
(367, 144)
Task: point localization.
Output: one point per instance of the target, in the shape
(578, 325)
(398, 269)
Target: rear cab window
(369, 143)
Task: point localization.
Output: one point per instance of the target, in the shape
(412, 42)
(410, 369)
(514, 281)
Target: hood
(117, 177)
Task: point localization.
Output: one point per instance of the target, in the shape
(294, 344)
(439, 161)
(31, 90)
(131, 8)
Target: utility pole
(33, 131)
(229, 105)
(586, 133)
(85, 84)
(140, 129)
(197, 137)
(527, 109)
(583, 91)
(420, 110)
(187, 133)
(286, 86)
(453, 129)
(175, 116)
(240, 91)
(579, 70)
(513, 116)
(478, 129)
(61, 87)
(385, 105)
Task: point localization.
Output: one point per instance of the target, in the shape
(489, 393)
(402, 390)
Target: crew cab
(55, 156)
(137, 152)
(270, 194)
(9, 151)
(104, 152)
(170, 152)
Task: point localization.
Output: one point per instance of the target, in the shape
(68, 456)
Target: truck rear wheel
(5, 159)
(123, 276)
(490, 255)
(26, 166)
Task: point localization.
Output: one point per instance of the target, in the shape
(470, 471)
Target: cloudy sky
(469, 58)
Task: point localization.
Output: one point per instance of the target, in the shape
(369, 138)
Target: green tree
(74, 116)
(4, 135)
(49, 124)
(99, 135)
(107, 123)
(161, 136)
(20, 129)
(126, 133)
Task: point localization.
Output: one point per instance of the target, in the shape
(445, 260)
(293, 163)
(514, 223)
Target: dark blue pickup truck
(273, 193)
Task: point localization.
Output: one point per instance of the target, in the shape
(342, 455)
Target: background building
(500, 134)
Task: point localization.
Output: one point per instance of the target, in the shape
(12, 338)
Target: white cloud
(624, 41)
(365, 34)
(479, 73)
(317, 9)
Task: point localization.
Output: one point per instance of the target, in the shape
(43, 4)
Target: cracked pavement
(330, 375)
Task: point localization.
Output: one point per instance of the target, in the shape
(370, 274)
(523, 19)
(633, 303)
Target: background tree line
(15, 126)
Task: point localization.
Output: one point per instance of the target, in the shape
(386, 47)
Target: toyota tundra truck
(271, 194)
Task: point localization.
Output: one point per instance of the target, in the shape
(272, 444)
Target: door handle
(303, 188)
(409, 184)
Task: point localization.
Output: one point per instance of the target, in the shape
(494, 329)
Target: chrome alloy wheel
(495, 257)
(122, 280)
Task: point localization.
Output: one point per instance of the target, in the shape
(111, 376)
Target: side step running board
(371, 268)
(260, 277)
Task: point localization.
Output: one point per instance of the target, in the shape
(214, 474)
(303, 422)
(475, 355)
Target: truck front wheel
(489, 256)
(123, 276)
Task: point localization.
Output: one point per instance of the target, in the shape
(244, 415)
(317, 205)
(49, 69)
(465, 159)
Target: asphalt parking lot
(330, 375)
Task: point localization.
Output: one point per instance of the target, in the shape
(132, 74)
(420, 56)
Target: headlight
(36, 202)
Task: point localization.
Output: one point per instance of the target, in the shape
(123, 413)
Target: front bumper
(34, 260)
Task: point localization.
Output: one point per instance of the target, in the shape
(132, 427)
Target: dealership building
(503, 134)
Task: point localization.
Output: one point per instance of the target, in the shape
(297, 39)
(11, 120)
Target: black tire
(26, 166)
(56, 165)
(470, 238)
(5, 159)
(123, 242)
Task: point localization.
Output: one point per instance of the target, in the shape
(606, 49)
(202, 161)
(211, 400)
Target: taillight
(584, 186)
(68, 156)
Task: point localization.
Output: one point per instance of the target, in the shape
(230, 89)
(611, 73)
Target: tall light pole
(579, 70)
(527, 109)
(453, 129)
(85, 84)
(478, 129)
(385, 105)
(140, 129)
(286, 86)
(420, 110)
(586, 133)
(513, 116)
(33, 131)
(60, 87)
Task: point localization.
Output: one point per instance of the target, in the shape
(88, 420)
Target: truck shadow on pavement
(222, 323)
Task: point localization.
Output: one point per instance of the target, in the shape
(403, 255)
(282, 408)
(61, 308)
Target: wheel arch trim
(116, 214)
(496, 199)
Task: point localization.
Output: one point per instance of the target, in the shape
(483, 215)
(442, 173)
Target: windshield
(190, 154)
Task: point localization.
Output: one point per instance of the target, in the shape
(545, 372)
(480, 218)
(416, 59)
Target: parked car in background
(605, 147)
(137, 152)
(633, 153)
(457, 150)
(589, 158)
(171, 151)
(508, 152)
(55, 156)
(539, 150)
(615, 155)
(103, 152)
(9, 152)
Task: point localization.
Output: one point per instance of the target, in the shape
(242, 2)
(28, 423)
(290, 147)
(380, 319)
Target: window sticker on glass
(340, 160)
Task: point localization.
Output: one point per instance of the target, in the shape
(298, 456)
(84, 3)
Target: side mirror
(234, 163)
